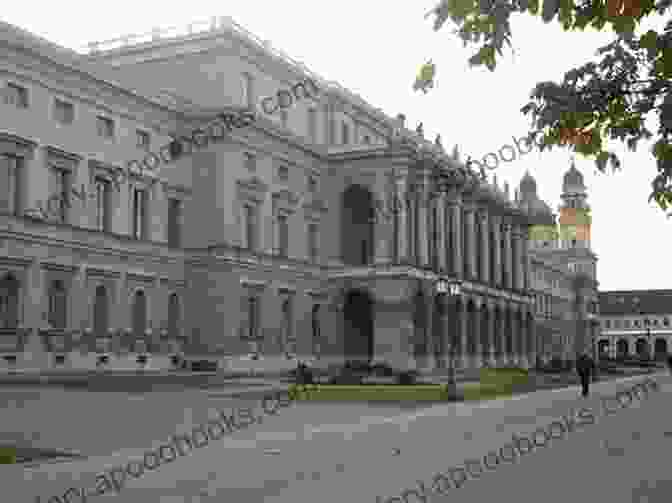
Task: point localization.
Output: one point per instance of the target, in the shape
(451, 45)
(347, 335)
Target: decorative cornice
(286, 196)
(18, 140)
(51, 266)
(64, 154)
(92, 271)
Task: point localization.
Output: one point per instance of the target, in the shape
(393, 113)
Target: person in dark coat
(669, 363)
(585, 367)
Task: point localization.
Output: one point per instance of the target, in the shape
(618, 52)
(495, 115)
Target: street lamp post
(453, 289)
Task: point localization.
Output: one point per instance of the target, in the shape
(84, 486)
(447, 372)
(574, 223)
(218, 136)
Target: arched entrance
(100, 312)
(439, 328)
(660, 348)
(419, 327)
(357, 218)
(358, 326)
(472, 334)
(642, 348)
(498, 343)
(9, 301)
(603, 348)
(139, 314)
(622, 348)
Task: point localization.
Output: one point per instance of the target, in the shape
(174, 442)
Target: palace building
(635, 324)
(262, 245)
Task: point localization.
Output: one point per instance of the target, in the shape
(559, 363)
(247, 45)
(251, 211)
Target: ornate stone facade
(259, 247)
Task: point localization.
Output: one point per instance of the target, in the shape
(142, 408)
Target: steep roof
(627, 302)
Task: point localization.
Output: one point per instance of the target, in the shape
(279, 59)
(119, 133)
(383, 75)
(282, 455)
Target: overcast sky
(374, 48)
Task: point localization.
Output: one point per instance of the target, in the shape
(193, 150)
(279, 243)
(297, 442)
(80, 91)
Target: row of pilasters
(482, 334)
(454, 244)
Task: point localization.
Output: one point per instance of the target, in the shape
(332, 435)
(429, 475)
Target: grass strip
(391, 392)
(7, 455)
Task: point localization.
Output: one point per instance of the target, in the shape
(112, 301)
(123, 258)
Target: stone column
(462, 335)
(441, 241)
(479, 325)
(401, 215)
(491, 336)
(79, 302)
(496, 272)
(531, 345)
(35, 316)
(485, 246)
(520, 276)
(446, 330)
(421, 205)
(507, 260)
(522, 348)
(470, 238)
(382, 233)
(501, 329)
(456, 216)
(526, 257)
(34, 181)
(120, 319)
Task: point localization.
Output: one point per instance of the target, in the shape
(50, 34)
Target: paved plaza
(336, 452)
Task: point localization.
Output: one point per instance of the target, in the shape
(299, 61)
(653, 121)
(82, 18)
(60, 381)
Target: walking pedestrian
(585, 366)
(669, 363)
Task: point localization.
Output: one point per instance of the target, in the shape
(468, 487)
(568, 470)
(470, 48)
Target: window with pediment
(10, 176)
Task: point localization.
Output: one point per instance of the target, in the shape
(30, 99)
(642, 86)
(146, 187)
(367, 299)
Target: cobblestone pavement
(620, 458)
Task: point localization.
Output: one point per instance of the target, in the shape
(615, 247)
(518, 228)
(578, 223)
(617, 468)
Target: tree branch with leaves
(609, 98)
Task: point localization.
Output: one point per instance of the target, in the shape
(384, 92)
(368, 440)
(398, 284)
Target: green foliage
(608, 98)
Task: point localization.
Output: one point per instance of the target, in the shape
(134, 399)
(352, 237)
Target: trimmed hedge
(370, 392)
(7, 455)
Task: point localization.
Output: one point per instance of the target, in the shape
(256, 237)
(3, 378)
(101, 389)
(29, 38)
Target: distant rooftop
(223, 24)
(636, 301)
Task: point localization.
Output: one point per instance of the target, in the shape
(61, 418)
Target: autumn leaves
(631, 8)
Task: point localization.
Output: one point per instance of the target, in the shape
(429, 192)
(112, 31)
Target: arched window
(58, 305)
(139, 314)
(315, 320)
(174, 316)
(288, 339)
(9, 301)
(100, 311)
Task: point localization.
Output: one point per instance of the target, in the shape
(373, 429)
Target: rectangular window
(250, 227)
(289, 337)
(174, 223)
(345, 134)
(331, 125)
(250, 162)
(16, 95)
(104, 127)
(103, 205)
(283, 172)
(248, 90)
(312, 184)
(59, 193)
(312, 125)
(250, 317)
(64, 112)
(142, 139)
(313, 237)
(10, 176)
(139, 213)
(283, 236)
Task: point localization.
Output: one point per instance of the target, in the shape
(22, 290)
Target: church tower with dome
(562, 266)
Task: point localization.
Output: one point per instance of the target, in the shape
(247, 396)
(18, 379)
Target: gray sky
(375, 48)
